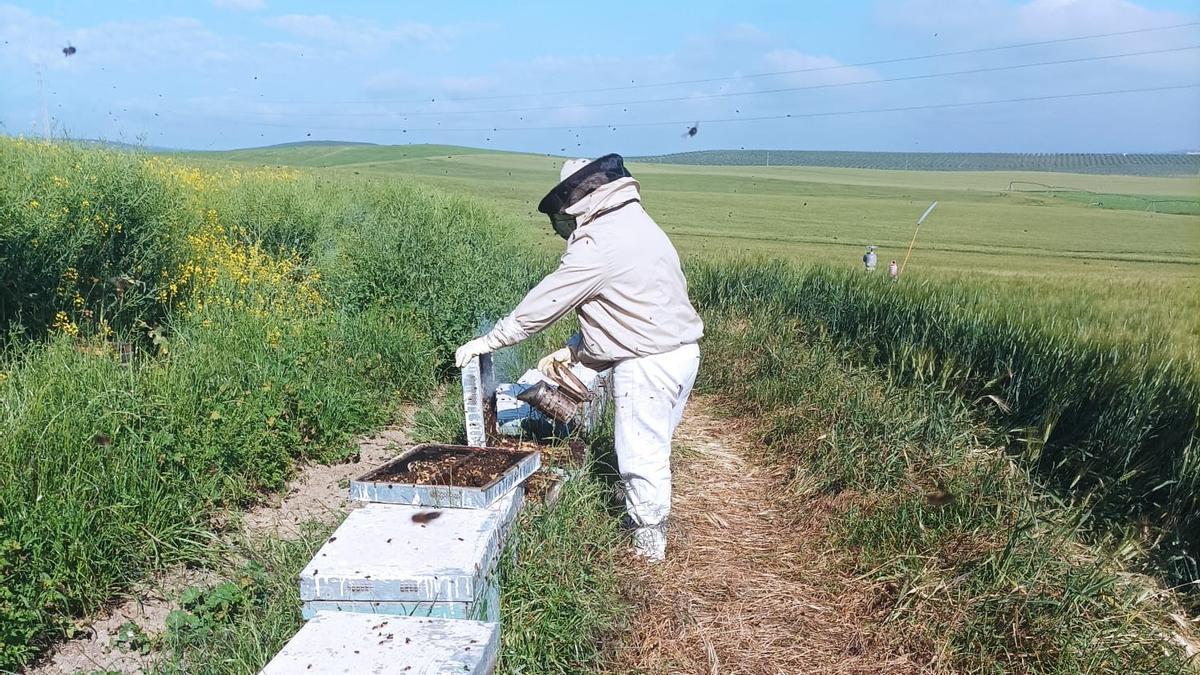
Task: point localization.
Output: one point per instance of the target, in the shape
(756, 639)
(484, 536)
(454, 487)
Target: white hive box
(378, 485)
(337, 642)
(515, 417)
(381, 561)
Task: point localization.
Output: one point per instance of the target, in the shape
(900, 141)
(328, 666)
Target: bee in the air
(692, 130)
(425, 517)
(68, 50)
(941, 496)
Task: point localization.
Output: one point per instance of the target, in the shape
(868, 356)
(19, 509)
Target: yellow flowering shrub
(226, 266)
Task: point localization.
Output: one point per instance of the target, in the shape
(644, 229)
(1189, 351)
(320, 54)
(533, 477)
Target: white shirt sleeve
(580, 274)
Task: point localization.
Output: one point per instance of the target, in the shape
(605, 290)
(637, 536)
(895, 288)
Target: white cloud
(936, 26)
(240, 5)
(473, 84)
(745, 32)
(976, 23)
(140, 44)
(358, 34)
(820, 69)
(390, 82)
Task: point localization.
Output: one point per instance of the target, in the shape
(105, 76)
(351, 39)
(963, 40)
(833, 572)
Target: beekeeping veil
(578, 179)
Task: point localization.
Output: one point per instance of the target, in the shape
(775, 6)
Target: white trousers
(649, 394)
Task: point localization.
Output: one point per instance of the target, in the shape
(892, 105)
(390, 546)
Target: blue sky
(221, 74)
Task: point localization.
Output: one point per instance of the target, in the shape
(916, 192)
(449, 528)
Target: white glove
(476, 347)
(546, 365)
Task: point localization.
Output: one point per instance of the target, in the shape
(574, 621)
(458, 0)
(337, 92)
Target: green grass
(1109, 421)
(1003, 578)
(171, 369)
(1137, 164)
(237, 624)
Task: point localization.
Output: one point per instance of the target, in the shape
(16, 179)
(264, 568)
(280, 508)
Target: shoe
(650, 543)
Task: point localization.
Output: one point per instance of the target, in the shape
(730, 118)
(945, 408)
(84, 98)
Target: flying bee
(425, 517)
(692, 130)
(68, 50)
(121, 283)
(941, 496)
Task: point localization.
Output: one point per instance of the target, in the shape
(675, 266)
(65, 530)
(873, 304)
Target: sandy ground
(747, 586)
(317, 492)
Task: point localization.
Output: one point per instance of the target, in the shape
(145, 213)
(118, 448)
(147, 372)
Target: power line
(727, 78)
(701, 97)
(833, 113)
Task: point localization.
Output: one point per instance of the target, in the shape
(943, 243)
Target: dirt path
(747, 586)
(317, 492)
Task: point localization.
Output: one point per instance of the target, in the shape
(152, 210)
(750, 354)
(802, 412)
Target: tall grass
(178, 338)
(981, 570)
(1112, 423)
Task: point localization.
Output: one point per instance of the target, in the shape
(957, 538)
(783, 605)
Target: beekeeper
(622, 277)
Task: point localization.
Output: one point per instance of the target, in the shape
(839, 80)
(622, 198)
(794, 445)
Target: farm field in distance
(1125, 270)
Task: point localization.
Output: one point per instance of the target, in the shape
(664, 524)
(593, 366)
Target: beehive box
(339, 642)
(402, 560)
(486, 607)
(437, 488)
(515, 417)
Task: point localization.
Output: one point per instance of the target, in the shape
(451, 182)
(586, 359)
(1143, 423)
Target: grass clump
(236, 625)
(982, 569)
(1110, 423)
(559, 595)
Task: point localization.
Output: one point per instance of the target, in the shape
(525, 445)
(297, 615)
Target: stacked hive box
(347, 642)
(387, 559)
(410, 578)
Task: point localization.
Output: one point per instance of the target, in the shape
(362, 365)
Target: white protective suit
(622, 275)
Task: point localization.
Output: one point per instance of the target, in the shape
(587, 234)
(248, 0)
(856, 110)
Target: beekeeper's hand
(476, 347)
(546, 365)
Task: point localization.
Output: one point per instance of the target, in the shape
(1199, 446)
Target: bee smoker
(561, 398)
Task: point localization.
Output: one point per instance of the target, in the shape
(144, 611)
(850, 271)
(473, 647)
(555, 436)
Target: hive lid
(379, 553)
(344, 642)
(479, 400)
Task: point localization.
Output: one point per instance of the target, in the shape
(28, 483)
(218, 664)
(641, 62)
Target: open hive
(447, 476)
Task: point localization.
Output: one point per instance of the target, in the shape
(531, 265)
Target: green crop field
(1117, 163)
(1043, 255)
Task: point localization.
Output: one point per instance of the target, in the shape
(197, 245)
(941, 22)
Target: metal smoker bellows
(563, 402)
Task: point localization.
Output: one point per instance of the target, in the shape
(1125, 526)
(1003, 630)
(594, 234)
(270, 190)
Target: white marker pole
(914, 237)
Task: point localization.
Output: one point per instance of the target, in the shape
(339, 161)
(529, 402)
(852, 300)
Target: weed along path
(316, 494)
(748, 585)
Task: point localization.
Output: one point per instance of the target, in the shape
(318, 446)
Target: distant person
(893, 271)
(869, 259)
(621, 275)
